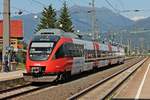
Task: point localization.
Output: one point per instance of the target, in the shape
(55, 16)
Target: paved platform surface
(138, 86)
(4, 76)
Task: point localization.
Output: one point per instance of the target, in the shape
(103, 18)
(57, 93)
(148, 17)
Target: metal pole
(121, 37)
(94, 21)
(95, 36)
(129, 47)
(6, 27)
(142, 45)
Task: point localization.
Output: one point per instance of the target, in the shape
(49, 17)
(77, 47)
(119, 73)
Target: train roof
(57, 32)
(45, 38)
(50, 31)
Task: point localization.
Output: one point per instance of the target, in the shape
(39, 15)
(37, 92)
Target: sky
(35, 6)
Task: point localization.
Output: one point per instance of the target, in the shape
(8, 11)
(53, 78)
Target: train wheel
(65, 76)
(118, 62)
(95, 69)
(68, 75)
(122, 62)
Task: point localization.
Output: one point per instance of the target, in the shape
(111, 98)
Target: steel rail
(35, 88)
(83, 92)
(14, 88)
(7, 94)
(116, 87)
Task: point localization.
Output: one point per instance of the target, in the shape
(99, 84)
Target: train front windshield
(40, 50)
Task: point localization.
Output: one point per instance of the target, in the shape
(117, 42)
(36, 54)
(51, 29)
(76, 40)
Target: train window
(68, 47)
(80, 50)
(59, 53)
(74, 50)
(70, 50)
(65, 50)
(40, 50)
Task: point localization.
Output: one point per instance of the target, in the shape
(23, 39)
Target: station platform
(4, 76)
(137, 87)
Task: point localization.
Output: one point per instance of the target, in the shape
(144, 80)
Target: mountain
(140, 33)
(143, 23)
(105, 20)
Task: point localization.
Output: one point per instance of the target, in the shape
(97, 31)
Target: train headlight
(35, 69)
(57, 66)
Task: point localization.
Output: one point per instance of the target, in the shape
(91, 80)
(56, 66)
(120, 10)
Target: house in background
(16, 34)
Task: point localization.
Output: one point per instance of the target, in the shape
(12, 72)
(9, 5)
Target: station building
(16, 34)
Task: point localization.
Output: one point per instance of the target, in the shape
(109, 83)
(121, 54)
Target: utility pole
(95, 35)
(141, 45)
(6, 27)
(121, 38)
(129, 47)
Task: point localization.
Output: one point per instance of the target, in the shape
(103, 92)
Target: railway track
(103, 84)
(14, 88)
(21, 90)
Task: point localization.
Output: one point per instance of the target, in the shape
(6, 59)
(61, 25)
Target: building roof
(16, 29)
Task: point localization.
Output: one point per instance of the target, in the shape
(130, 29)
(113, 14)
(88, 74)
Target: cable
(112, 6)
(20, 10)
(121, 4)
(23, 10)
(38, 2)
(68, 2)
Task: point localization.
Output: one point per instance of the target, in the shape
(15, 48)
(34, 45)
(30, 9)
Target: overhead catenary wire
(110, 4)
(118, 13)
(119, 4)
(40, 3)
(20, 10)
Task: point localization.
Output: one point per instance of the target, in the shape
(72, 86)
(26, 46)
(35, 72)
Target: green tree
(65, 22)
(47, 19)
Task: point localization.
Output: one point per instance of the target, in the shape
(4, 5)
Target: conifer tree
(47, 19)
(65, 22)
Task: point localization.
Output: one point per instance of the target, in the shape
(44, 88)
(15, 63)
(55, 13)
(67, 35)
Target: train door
(78, 56)
(89, 55)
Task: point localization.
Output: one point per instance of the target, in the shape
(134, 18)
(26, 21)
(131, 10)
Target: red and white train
(54, 54)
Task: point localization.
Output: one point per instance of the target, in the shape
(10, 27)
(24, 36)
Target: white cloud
(135, 18)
